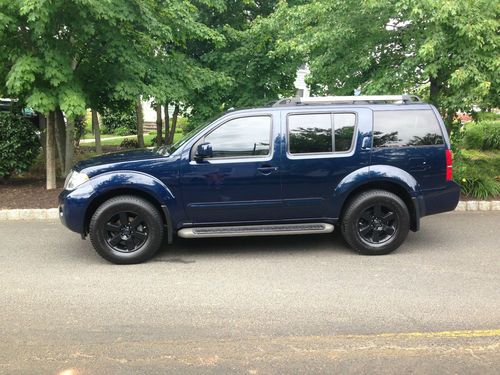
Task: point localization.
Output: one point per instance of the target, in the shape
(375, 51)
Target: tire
(126, 230)
(376, 222)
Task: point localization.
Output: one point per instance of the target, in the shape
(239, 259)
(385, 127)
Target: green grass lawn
(91, 136)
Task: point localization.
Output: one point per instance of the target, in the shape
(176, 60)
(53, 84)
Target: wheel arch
(381, 177)
(392, 187)
(139, 185)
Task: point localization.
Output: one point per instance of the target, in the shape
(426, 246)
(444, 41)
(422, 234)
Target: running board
(255, 230)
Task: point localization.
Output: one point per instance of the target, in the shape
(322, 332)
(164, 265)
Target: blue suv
(371, 166)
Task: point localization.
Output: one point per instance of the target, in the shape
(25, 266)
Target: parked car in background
(372, 166)
(12, 105)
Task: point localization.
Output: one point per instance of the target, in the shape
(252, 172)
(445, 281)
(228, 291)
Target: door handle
(267, 169)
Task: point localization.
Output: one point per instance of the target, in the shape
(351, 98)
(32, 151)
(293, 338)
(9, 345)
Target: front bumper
(73, 206)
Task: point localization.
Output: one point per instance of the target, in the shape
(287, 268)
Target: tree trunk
(140, 123)
(97, 132)
(42, 126)
(51, 152)
(434, 91)
(70, 146)
(167, 123)
(175, 115)
(77, 126)
(159, 126)
(60, 139)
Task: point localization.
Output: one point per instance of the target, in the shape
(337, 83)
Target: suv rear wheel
(376, 222)
(126, 230)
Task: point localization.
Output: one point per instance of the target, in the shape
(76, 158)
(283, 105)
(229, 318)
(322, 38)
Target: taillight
(449, 165)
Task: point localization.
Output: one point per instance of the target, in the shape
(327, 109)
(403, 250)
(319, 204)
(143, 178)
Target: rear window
(406, 128)
(321, 133)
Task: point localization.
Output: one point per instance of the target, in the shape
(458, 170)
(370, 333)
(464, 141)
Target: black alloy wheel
(126, 229)
(126, 232)
(375, 222)
(378, 224)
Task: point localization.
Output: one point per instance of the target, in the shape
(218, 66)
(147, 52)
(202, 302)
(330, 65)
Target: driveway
(297, 304)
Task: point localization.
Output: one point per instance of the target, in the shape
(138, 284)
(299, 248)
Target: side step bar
(255, 230)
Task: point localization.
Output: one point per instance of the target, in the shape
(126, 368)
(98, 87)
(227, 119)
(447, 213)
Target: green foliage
(478, 174)
(78, 54)
(450, 48)
(484, 135)
(129, 143)
(19, 144)
(246, 70)
(119, 121)
(487, 116)
(182, 124)
(154, 142)
(122, 131)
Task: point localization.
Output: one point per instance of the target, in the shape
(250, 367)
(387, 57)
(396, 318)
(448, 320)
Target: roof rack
(368, 99)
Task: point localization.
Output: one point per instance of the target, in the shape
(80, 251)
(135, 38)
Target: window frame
(438, 123)
(330, 154)
(235, 159)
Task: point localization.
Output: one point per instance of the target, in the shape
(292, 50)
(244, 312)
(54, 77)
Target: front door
(241, 181)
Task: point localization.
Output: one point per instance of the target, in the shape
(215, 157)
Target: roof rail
(370, 99)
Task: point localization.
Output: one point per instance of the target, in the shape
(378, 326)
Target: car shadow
(181, 248)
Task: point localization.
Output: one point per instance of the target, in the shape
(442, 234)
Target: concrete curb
(53, 213)
(30, 214)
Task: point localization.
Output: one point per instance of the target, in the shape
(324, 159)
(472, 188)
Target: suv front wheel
(126, 229)
(376, 222)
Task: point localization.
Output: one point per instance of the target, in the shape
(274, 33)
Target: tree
(140, 122)
(445, 50)
(159, 124)
(248, 70)
(97, 131)
(66, 56)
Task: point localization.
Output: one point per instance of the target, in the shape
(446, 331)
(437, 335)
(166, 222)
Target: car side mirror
(203, 151)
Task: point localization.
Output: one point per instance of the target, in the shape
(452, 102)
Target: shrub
(123, 119)
(475, 180)
(487, 116)
(484, 135)
(80, 128)
(129, 143)
(154, 141)
(19, 144)
(121, 131)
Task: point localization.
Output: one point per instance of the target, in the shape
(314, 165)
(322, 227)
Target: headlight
(75, 179)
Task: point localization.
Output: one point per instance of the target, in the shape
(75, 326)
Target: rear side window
(406, 128)
(320, 133)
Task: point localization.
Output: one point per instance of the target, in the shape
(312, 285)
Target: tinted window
(313, 133)
(406, 128)
(247, 136)
(310, 133)
(344, 130)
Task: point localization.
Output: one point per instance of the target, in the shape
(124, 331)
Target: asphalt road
(284, 305)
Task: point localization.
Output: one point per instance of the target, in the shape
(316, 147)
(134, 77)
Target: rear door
(321, 148)
(411, 139)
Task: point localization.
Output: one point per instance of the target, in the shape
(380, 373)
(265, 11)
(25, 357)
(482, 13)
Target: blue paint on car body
(277, 187)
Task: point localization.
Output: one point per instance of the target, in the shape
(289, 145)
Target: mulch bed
(28, 193)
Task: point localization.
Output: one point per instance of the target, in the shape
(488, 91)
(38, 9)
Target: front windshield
(169, 149)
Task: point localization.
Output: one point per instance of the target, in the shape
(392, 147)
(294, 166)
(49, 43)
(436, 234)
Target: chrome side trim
(255, 230)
